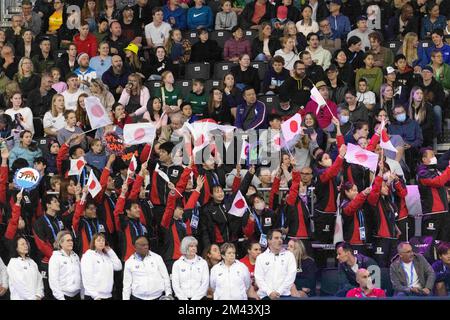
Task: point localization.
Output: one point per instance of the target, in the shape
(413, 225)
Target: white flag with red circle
(317, 97)
(276, 141)
(93, 184)
(98, 117)
(76, 166)
(239, 205)
(137, 133)
(133, 164)
(291, 128)
(357, 155)
(385, 141)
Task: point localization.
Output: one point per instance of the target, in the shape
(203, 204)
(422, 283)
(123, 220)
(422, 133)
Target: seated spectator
(170, 95)
(255, 13)
(70, 129)
(39, 100)
(198, 98)
(110, 11)
(402, 23)
(236, 46)
(116, 77)
(55, 20)
(298, 95)
(68, 61)
(26, 77)
(154, 113)
(178, 49)
(319, 55)
(293, 14)
(340, 24)
(175, 15)
(81, 114)
(27, 46)
(305, 280)
(158, 64)
(54, 118)
(44, 60)
(372, 74)
(31, 19)
(72, 92)
(437, 36)
(116, 40)
(264, 45)
(365, 289)
(354, 53)
(323, 114)
(102, 30)
(227, 18)
(313, 71)
(142, 12)
(84, 72)
(442, 270)
(411, 274)
(253, 113)
(275, 76)
(287, 52)
(416, 56)
(102, 61)
(15, 32)
(58, 85)
(345, 68)
(441, 70)
(98, 89)
(307, 24)
(329, 39)
(364, 95)
(218, 108)
(422, 112)
(26, 149)
(86, 41)
(135, 96)
(231, 92)
(382, 56)
(348, 266)
(246, 75)
(404, 77)
(131, 30)
(19, 113)
(290, 31)
(132, 58)
(200, 16)
(120, 116)
(157, 32)
(96, 156)
(279, 22)
(205, 50)
(362, 32)
(434, 20)
(90, 13)
(336, 86)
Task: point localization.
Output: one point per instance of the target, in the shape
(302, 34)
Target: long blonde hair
(421, 110)
(20, 75)
(382, 90)
(408, 49)
(53, 110)
(299, 253)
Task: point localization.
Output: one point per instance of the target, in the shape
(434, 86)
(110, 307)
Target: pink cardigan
(145, 96)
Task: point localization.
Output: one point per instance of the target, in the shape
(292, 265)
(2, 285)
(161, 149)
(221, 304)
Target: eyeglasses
(306, 173)
(324, 25)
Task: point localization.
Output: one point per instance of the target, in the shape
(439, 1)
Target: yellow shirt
(55, 21)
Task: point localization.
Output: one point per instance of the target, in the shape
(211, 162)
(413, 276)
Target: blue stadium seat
(222, 68)
(197, 71)
(329, 284)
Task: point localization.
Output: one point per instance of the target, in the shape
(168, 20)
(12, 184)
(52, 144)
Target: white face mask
(433, 161)
(260, 206)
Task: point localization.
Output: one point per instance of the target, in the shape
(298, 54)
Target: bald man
(366, 289)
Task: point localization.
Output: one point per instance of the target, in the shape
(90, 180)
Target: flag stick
(176, 190)
(95, 129)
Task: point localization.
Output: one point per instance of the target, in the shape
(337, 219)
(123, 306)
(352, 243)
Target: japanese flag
(76, 166)
(385, 142)
(200, 133)
(133, 164)
(162, 173)
(291, 127)
(98, 117)
(276, 141)
(94, 186)
(239, 205)
(357, 155)
(137, 133)
(317, 97)
(245, 150)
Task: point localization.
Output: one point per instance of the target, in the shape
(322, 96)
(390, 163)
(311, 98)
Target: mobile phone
(308, 131)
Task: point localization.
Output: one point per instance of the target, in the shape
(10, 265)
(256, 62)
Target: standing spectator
(190, 274)
(157, 32)
(86, 41)
(340, 24)
(64, 270)
(307, 24)
(200, 16)
(227, 18)
(236, 46)
(275, 269)
(145, 276)
(441, 268)
(25, 280)
(230, 279)
(252, 114)
(175, 15)
(365, 289)
(97, 269)
(434, 20)
(410, 273)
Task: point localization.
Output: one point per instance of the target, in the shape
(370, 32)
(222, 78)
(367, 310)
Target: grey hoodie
(226, 20)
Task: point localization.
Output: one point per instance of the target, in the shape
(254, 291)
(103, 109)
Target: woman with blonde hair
(422, 112)
(100, 90)
(135, 96)
(287, 52)
(26, 78)
(264, 45)
(64, 269)
(305, 280)
(54, 118)
(414, 53)
(387, 99)
(290, 30)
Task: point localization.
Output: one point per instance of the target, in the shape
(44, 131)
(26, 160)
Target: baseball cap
(389, 70)
(320, 84)
(427, 68)
(282, 12)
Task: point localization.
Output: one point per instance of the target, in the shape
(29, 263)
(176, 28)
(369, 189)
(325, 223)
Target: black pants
(324, 227)
(407, 228)
(90, 298)
(76, 297)
(433, 226)
(384, 250)
(135, 298)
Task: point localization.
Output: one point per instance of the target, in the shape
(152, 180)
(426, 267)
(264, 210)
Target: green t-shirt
(171, 97)
(198, 102)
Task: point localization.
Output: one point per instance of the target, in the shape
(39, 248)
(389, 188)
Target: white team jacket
(3, 275)
(275, 273)
(190, 278)
(230, 283)
(25, 280)
(64, 274)
(145, 279)
(97, 272)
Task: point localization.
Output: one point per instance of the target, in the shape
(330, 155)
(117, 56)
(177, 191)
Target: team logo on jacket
(379, 250)
(327, 228)
(431, 226)
(174, 173)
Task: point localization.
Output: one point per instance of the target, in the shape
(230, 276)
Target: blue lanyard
(89, 228)
(282, 217)
(136, 229)
(111, 203)
(411, 276)
(258, 223)
(215, 179)
(51, 226)
(361, 218)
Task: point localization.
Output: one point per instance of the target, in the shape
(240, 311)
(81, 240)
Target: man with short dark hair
(131, 30)
(339, 23)
(253, 113)
(157, 32)
(314, 72)
(116, 77)
(410, 273)
(297, 87)
(40, 99)
(354, 53)
(31, 19)
(44, 60)
(117, 42)
(362, 31)
(402, 23)
(15, 32)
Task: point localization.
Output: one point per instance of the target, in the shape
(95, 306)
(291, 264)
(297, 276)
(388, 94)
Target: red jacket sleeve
(275, 189)
(373, 142)
(249, 228)
(438, 181)
(332, 171)
(103, 182)
(170, 208)
(402, 192)
(192, 200)
(13, 223)
(134, 193)
(145, 152)
(182, 183)
(293, 191)
(236, 184)
(120, 205)
(79, 209)
(61, 156)
(340, 141)
(374, 195)
(3, 183)
(355, 204)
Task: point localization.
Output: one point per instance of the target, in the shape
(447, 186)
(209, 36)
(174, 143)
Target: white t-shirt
(27, 115)
(157, 34)
(289, 58)
(52, 122)
(415, 281)
(70, 99)
(367, 97)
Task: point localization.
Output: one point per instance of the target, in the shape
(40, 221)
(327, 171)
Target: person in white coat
(230, 279)
(275, 269)
(25, 280)
(64, 269)
(145, 275)
(3, 280)
(190, 273)
(97, 269)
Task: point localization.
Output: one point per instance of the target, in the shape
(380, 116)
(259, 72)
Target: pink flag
(76, 166)
(94, 186)
(245, 150)
(385, 142)
(357, 155)
(138, 133)
(98, 117)
(317, 97)
(239, 205)
(133, 164)
(276, 142)
(291, 127)
(338, 231)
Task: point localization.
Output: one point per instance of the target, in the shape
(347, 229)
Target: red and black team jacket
(297, 214)
(147, 217)
(159, 190)
(432, 189)
(266, 221)
(385, 210)
(4, 171)
(212, 178)
(326, 187)
(400, 200)
(45, 230)
(108, 202)
(353, 217)
(85, 228)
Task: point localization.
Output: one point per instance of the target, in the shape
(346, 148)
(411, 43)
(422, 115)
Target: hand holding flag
(98, 117)
(239, 205)
(93, 184)
(165, 177)
(76, 166)
(385, 141)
